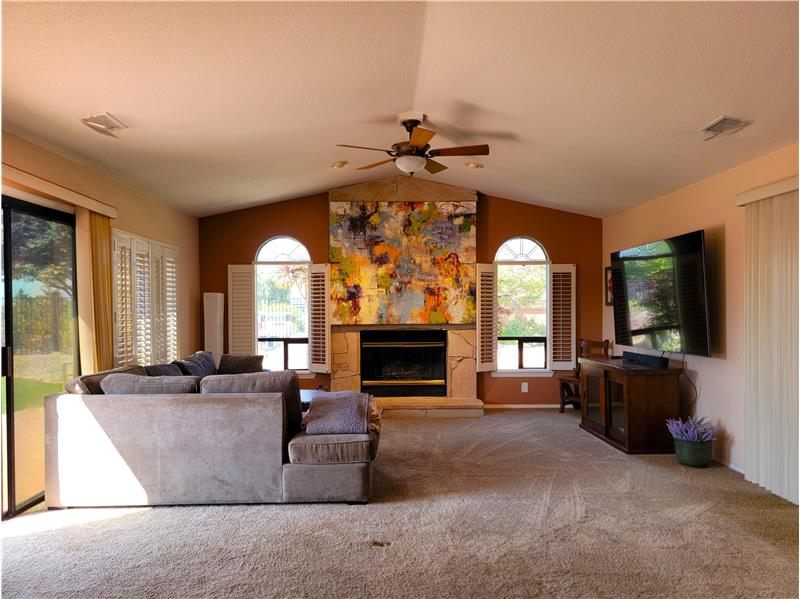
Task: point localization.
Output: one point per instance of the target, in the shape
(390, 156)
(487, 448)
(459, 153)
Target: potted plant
(692, 438)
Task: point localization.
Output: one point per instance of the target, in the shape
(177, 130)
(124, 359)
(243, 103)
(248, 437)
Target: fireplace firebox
(403, 363)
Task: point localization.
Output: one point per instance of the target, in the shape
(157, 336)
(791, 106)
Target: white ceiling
(588, 107)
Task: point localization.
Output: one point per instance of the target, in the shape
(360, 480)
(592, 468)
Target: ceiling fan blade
(479, 150)
(374, 164)
(361, 148)
(434, 167)
(420, 137)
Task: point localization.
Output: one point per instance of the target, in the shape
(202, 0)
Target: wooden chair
(571, 385)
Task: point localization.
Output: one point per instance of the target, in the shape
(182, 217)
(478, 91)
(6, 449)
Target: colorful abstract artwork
(402, 262)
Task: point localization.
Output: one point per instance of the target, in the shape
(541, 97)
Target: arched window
(522, 311)
(521, 249)
(282, 267)
(283, 249)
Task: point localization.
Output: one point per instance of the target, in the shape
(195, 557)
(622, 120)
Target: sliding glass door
(40, 338)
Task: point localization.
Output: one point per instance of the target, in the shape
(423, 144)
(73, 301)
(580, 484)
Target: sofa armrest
(105, 450)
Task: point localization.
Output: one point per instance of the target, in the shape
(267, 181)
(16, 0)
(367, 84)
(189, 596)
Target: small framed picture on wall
(609, 287)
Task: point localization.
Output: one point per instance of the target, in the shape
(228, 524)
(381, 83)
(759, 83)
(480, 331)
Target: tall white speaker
(213, 322)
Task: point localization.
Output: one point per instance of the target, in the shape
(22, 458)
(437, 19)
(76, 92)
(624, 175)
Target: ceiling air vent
(104, 123)
(724, 124)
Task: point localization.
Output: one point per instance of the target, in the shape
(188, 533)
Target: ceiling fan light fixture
(416, 154)
(339, 164)
(410, 163)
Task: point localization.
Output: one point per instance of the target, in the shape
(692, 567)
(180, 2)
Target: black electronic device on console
(645, 359)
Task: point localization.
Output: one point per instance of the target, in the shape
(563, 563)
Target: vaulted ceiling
(588, 107)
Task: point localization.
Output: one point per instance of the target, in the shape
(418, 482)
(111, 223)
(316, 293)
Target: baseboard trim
(734, 467)
(519, 406)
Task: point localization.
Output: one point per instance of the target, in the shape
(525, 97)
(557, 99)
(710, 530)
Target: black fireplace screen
(404, 363)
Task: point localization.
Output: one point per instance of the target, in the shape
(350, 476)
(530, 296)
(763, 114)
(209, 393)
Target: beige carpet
(516, 504)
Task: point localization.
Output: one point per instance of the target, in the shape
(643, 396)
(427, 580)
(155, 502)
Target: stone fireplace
(460, 367)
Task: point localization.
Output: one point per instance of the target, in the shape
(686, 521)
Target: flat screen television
(659, 295)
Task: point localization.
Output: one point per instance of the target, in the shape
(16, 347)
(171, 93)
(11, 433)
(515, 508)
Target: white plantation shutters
(171, 303)
(486, 317)
(561, 338)
(241, 309)
(157, 332)
(319, 320)
(145, 300)
(163, 304)
(124, 334)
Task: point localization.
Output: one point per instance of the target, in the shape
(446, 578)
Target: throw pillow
(163, 370)
(198, 364)
(89, 384)
(128, 384)
(239, 364)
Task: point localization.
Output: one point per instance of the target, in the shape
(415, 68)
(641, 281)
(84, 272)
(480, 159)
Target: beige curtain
(100, 227)
(771, 348)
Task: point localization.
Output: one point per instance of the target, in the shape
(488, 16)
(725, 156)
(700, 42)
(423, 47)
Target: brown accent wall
(568, 238)
(234, 238)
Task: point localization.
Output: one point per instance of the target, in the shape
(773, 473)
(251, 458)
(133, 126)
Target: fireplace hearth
(404, 363)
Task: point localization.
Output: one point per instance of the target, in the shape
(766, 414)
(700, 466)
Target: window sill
(529, 373)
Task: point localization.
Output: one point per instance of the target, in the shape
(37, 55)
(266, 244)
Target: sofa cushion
(239, 364)
(198, 364)
(279, 381)
(90, 383)
(332, 449)
(129, 384)
(163, 370)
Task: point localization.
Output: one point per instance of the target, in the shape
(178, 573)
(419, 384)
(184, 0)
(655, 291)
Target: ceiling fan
(416, 153)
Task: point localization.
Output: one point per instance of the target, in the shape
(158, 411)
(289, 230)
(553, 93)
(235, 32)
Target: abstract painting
(402, 262)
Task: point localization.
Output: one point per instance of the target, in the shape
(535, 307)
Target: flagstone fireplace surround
(460, 365)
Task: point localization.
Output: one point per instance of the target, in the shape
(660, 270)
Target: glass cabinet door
(615, 398)
(593, 392)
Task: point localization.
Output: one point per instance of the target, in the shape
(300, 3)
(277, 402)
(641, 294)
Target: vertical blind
(771, 353)
(145, 300)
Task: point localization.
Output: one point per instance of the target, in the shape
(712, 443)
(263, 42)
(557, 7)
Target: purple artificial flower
(693, 429)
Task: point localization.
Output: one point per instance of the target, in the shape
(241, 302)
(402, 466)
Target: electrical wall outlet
(524, 387)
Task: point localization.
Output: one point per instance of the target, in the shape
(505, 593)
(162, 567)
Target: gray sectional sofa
(191, 439)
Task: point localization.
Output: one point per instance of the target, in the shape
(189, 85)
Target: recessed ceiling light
(104, 123)
(473, 165)
(339, 164)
